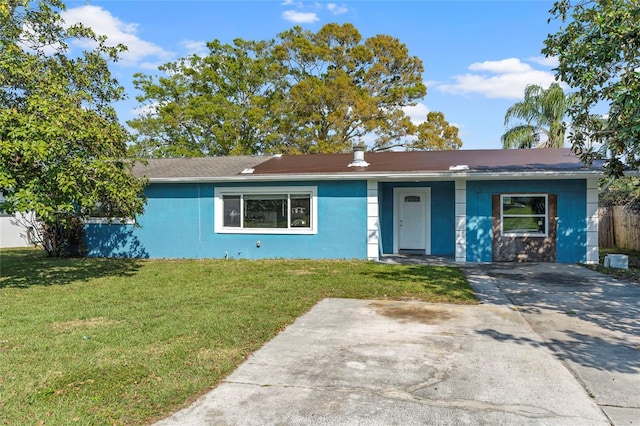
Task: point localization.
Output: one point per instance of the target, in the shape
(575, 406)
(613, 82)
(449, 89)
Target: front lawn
(98, 341)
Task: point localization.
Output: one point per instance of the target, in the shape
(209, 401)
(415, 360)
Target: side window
(102, 213)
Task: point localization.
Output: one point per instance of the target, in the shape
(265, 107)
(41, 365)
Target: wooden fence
(618, 227)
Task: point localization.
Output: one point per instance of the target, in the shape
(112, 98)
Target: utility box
(619, 261)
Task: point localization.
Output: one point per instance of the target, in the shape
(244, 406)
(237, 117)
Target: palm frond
(541, 112)
(521, 136)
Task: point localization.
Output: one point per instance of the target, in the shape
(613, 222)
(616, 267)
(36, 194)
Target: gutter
(430, 176)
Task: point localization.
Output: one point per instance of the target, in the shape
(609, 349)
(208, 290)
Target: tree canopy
(301, 93)
(436, 134)
(542, 112)
(598, 49)
(62, 149)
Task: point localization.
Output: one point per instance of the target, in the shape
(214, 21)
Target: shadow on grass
(28, 267)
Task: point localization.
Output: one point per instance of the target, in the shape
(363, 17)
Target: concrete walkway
(590, 322)
(355, 362)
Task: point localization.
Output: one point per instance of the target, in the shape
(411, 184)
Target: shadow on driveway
(590, 321)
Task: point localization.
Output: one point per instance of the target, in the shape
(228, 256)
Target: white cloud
(300, 17)
(417, 113)
(117, 32)
(505, 66)
(506, 79)
(547, 61)
(195, 47)
(147, 110)
(337, 10)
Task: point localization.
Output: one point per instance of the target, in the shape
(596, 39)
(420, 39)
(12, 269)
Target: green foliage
(541, 112)
(598, 50)
(624, 191)
(214, 105)
(343, 88)
(122, 341)
(302, 93)
(62, 148)
(436, 134)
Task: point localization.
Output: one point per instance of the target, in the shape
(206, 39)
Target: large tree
(62, 149)
(302, 93)
(344, 87)
(598, 49)
(436, 133)
(541, 113)
(219, 104)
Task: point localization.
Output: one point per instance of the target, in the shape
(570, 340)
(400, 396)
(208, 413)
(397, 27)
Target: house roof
(199, 167)
(544, 159)
(431, 164)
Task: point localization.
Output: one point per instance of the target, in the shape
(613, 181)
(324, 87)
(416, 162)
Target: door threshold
(412, 252)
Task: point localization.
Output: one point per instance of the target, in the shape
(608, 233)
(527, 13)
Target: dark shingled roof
(166, 168)
(405, 162)
(541, 159)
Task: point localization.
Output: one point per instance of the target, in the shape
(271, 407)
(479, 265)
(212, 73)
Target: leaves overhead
(62, 149)
(598, 49)
(302, 93)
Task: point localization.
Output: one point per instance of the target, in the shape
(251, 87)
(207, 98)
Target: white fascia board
(582, 174)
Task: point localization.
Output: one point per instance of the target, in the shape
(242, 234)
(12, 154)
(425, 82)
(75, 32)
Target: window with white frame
(266, 210)
(524, 215)
(102, 213)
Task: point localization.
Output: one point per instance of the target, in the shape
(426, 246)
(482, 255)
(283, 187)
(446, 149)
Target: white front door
(412, 220)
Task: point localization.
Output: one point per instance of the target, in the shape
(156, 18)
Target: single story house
(472, 205)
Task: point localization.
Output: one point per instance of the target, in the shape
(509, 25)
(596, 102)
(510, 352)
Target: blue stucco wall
(179, 223)
(572, 196)
(442, 215)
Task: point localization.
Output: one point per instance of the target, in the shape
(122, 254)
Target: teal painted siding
(572, 221)
(179, 223)
(442, 215)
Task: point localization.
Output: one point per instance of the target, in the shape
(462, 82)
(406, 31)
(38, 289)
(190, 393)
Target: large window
(524, 215)
(278, 210)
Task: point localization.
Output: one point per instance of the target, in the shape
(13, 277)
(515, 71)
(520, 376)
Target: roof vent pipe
(358, 157)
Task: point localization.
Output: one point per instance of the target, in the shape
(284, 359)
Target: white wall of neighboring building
(12, 234)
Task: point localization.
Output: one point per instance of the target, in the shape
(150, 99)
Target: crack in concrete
(402, 395)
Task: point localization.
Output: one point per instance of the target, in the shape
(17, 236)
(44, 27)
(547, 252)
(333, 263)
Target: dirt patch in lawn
(86, 323)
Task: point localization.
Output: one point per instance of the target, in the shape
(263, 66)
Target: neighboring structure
(474, 205)
(12, 233)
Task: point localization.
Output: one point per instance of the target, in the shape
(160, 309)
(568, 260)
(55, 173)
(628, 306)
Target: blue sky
(478, 55)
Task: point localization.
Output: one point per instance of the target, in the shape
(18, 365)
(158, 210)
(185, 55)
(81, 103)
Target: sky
(478, 56)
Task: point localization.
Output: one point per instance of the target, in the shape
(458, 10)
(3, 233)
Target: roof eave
(391, 176)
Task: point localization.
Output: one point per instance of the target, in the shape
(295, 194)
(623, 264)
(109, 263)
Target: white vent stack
(358, 157)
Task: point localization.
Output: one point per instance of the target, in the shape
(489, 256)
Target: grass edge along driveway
(122, 341)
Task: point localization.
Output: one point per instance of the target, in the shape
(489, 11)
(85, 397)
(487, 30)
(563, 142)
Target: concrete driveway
(589, 321)
(356, 362)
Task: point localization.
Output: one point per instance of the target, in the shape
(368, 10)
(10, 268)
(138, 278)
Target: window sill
(525, 235)
(276, 231)
(109, 221)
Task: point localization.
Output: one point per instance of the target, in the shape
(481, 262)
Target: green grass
(98, 341)
(631, 274)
